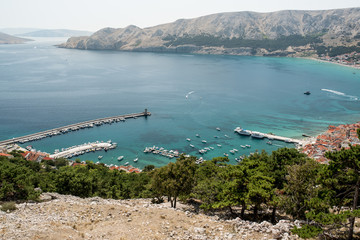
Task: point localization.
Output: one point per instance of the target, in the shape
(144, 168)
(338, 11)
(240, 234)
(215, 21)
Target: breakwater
(73, 127)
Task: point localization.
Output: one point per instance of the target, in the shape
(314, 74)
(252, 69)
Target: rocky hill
(8, 39)
(242, 33)
(69, 217)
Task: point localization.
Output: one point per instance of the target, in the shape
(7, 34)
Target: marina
(73, 127)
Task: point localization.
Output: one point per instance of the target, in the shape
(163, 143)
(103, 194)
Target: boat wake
(189, 93)
(355, 98)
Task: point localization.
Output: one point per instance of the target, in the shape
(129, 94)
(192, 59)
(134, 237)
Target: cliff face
(208, 33)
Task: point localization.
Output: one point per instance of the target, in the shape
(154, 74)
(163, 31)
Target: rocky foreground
(69, 217)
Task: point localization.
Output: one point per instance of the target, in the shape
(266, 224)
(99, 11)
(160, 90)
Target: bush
(8, 206)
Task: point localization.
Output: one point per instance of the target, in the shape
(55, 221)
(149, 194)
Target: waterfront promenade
(73, 127)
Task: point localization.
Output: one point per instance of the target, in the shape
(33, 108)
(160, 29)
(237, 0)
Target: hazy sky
(95, 14)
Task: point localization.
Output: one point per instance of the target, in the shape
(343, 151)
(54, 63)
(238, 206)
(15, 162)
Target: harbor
(73, 127)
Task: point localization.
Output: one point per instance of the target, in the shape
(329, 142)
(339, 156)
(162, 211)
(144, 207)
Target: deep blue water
(43, 87)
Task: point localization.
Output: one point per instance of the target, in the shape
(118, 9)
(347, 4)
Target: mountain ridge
(240, 33)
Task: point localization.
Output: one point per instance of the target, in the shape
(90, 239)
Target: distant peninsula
(9, 39)
(56, 33)
(294, 33)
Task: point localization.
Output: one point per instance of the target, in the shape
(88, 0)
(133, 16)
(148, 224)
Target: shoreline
(324, 61)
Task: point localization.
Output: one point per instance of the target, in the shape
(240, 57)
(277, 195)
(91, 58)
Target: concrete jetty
(73, 127)
(273, 137)
(81, 149)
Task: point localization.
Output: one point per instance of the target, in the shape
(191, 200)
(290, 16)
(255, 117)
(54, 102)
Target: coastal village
(334, 139)
(351, 59)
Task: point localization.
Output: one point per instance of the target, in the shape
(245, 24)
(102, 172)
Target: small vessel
(242, 146)
(120, 158)
(218, 129)
(235, 150)
(100, 157)
(192, 146)
(188, 139)
(216, 136)
(269, 142)
(226, 155)
(197, 135)
(219, 145)
(226, 136)
(248, 146)
(136, 159)
(232, 151)
(307, 93)
(203, 141)
(126, 163)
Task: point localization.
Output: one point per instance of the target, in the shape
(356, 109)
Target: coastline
(324, 61)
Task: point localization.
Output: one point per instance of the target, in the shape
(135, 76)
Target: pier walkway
(273, 137)
(72, 127)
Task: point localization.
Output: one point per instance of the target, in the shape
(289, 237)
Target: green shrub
(8, 206)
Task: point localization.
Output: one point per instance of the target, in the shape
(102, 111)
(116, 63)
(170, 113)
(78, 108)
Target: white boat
(226, 155)
(235, 150)
(203, 141)
(269, 142)
(242, 131)
(257, 135)
(219, 145)
(188, 139)
(248, 146)
(126, 163)
(242, 146)
(232, 151)
(120, 158)
(192, 146)
(197, 135)
(100, 157)
(218, 129)
(216, 136)
(226, 136)
(136, 159)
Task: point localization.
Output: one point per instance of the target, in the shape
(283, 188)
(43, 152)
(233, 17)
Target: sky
(93, 15)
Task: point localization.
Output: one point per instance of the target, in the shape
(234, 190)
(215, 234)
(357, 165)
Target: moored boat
(257, 135)
(120, 158)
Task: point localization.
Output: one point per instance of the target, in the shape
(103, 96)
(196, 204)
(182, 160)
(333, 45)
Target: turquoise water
(44, 87)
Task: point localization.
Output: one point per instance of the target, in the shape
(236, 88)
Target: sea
(44, 87)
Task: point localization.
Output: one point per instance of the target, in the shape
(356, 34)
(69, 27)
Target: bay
(44, 87)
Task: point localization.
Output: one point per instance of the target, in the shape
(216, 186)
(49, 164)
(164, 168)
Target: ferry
(257, 135)
(244, 132)
(120, 158)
